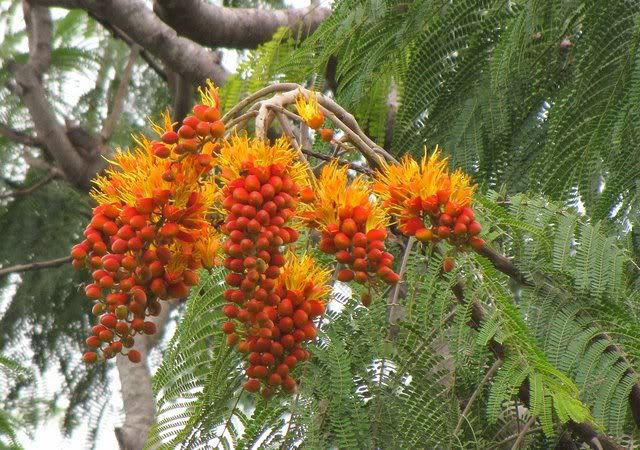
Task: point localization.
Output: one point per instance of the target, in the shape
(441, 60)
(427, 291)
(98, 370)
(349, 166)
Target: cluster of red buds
(430, 203)
(352, 226)
(148, 236)
(269, 321)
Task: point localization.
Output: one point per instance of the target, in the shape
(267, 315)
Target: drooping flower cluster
(353, 227)
(262, 186)
(148, 235)
(284, 327)
(428, 202)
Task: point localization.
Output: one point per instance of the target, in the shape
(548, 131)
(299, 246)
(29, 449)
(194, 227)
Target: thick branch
(151, 33)
(217, 26)
(32, 93)
(35, 265)
(137, 393)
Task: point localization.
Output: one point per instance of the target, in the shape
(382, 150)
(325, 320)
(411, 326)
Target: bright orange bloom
(304, 274)
(241, 152)
(309, 110)
(334, 193)
(207, 249)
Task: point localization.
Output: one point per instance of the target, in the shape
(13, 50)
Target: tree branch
(32, 93)
(137, 393)
(216, 26)
(152, 34)
(35, 265)
(28, 190)
(118, 101)
(119, 34)
(19, 136)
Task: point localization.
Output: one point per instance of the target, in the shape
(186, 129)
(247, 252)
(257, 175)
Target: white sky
(49, 436)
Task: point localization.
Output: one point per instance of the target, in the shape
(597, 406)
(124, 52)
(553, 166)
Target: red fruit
(359, 239)
(307, 195)
(186, 132)
(361, 214)
(122, 328)
(93, 342)
(93, 291)
(424, 235)
(109, 320)
(448, 264)
(119, 246)
(300, 318)
(217, 129)
(144, 205)
(252, 385)
(169, 230)
(274, 379)
(343, 256)
(134, 356)
(78, 252)
(212, 114)
(345, 275)
(326, 134)
(476, 243)
(445, 219)
(289, 384)
(228, 327)
(443, 196)
(287, 340)
(316, 308)
(349, 227)
(291, 361)
(392, 277)
(474, 228)
(282, 370)
(268, 359)
(149, 327)
(285, 325)
(231, 311)
(90, 357)
(106, 335)
(359, 264)
(444, 231)
(377, 234)
(170, 137)
(255, 358)
(252, 183)
(459, 229)
(341, 241)
(468, 212)
(285, 308)
(310, 331)
(361, 277)
(203, 129)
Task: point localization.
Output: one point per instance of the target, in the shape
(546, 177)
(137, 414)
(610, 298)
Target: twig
(35, 265)
(279, 87)
(20, 136)
(28, 190)
(118, 101)
(352, 166)
(234, 124)
(393, 304)
(496, 365)
(513, 436)
(226, 425)
(523, 432)
(119, 34)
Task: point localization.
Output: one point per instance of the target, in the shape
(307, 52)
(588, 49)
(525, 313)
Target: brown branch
(342, 162)
(28, 190)
(216, 26)
(496, 365)
(32, 93)
(117, 33)
(118, 101)
(20, 136)
(35, 265)
(148, 31)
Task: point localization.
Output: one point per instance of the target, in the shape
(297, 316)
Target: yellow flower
(207, 249)
(403, 186)
(334, 193)
(309, 110)
(209, 96)
(240, 152)
(461, 189)
(305, 275)
(167, 124)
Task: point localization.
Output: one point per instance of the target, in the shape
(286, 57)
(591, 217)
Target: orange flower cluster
(149, 233)
(428, 202)
(269, 301)
(353, 227)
